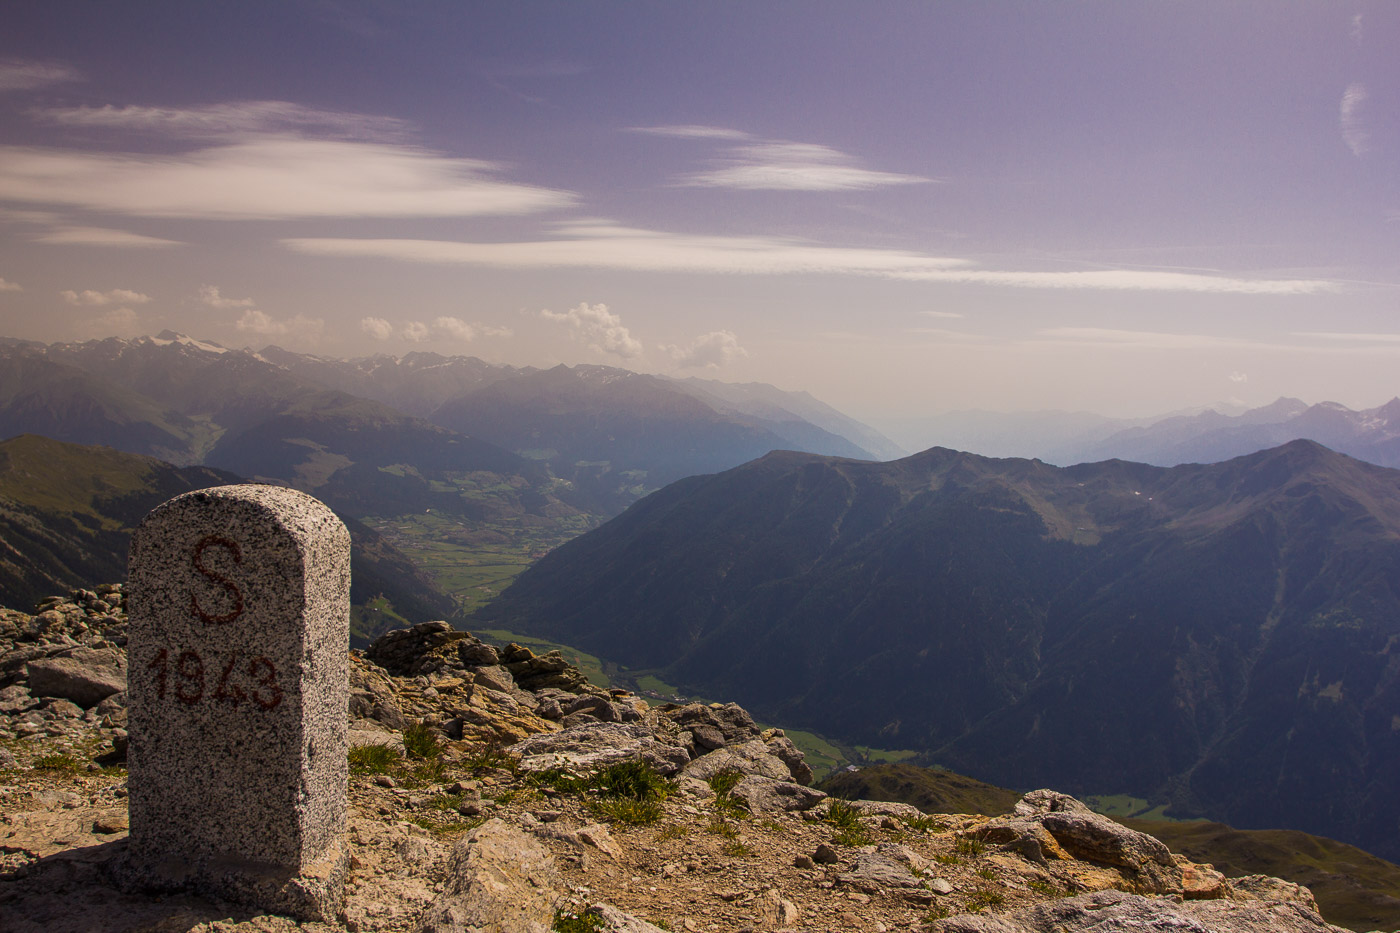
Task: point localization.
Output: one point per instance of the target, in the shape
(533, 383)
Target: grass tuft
(569, 922)
(850, 831)
(56, 762)
(421, 741)
(373, 759)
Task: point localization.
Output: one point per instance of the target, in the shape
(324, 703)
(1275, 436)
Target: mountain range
(469, 469)
(1224, 637)
(1203, 436)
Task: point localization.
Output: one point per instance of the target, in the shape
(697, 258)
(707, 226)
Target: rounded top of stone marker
(299, 514)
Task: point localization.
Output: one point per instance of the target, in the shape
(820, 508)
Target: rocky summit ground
(495, 790)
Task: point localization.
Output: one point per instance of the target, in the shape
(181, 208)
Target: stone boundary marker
(238, 640)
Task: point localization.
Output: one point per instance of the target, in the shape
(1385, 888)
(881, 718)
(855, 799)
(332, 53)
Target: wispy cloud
(1138, 280)
(776, 164)
(941, 314)
(235, 118)
(7, 286)
(1105, 336)
(1348, 338)
(603, 245)
(690, 131)
(602, 329)
(784, 166)
(115, 296)
(120, 321)
(64, 235)
(209, 295)
(20, 74)
(268, 178)
(263, 324)
(708, 351)
(1354, 132)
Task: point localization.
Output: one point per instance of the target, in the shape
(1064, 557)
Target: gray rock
(882, 869)
(1266, 888)
(1093, 838)
(595, 745)
(86, 676)
(495, 677)
(779, 744)
(762, 794)
(1117, 911)
(474, 653)
(615, 921)
(498, 879)
(752, 757)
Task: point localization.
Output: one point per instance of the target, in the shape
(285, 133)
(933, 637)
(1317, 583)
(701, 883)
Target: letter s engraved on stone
(197, 558)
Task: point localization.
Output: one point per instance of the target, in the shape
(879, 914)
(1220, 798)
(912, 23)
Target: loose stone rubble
(484, 835)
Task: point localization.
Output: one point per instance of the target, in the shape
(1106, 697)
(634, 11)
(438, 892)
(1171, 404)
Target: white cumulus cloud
(209, 295)
(455, 327)
(263, 324)
(708, 351)
(601, 328)
(7, 286)
(115, 296)
(415, 331)
(377, 327)
(1239, 377)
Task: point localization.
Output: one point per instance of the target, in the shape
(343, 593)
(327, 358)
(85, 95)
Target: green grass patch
(980, 900)
(421, 741)
(373, 759)
(970, 846)
(627, 792)
(850, 831)
(57, 762)
(569, 922)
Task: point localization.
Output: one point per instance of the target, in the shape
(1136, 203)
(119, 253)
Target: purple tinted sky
(901, 207)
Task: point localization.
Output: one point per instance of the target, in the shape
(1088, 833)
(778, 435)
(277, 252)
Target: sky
(904, 208)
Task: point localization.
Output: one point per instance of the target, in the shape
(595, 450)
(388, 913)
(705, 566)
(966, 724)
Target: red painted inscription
(259, 674)
(235, 596)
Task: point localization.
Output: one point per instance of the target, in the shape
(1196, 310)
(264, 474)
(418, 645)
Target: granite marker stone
(239, 607)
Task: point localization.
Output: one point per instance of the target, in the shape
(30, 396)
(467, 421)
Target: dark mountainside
(1222, 636)
(67, 513)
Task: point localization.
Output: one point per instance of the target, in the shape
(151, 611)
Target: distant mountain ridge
(1207, 436)
(1221, 636)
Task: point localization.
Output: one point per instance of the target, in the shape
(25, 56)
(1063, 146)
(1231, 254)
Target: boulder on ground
(751, 757)
(499, 879)
(595, 745)
(1090, 837)
(86, 676)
